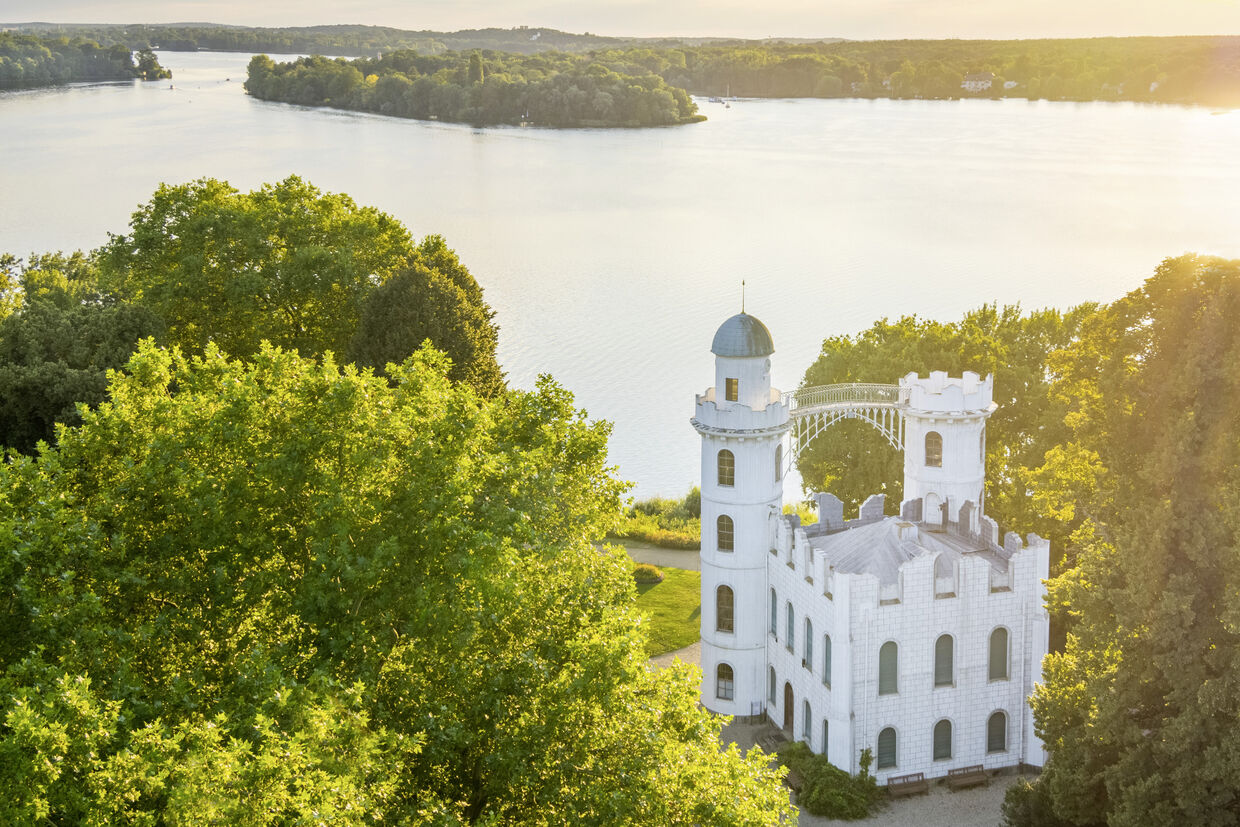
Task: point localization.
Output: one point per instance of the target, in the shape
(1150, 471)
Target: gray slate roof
(742, 335)
(876, 548)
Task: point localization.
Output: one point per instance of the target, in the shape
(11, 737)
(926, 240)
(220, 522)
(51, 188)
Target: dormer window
(731, 389)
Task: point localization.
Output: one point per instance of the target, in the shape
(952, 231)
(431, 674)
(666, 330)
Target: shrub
(646, 573)
(664, 522)
(1027, 805)
(828, 791)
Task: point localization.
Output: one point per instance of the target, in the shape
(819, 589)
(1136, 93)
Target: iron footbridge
(812, 410)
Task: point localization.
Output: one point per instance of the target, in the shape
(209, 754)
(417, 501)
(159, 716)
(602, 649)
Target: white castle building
(919, 636)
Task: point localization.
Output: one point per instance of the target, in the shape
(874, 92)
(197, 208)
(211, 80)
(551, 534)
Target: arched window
(723, 682)
(942, 740)
(724, 532)
(774, 615)
(779, 462)
(770, 685)
(806, 718)
(826, 659)
(809, 645)
(943, 661)
(826, 738)
(727, 468)
(996, 732)
(886, 749)
(790, 626)
(999, 654)
(723, 609)
(888, 656)
(934, 450)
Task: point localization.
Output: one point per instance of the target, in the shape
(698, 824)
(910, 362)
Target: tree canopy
(57, 344)
(853, 461)
(1139, 711)
(268, 591)
(285, 263)
(206, 264)
(30, 60)
(547, 89)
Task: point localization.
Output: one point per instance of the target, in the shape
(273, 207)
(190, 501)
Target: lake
(611, 256)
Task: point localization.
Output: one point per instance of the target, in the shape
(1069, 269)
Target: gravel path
(670, 557)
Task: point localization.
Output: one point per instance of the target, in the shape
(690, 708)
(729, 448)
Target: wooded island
(30, 61)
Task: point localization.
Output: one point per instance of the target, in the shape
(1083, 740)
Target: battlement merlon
(712, 416)
(940, 393)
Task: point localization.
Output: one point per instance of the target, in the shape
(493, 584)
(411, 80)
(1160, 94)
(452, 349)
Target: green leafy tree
(285, 263)
(56, 349)
(276, 591)
(1139, 710)
(476, 73)
(434, 298)
(149, 68)
(853, 460)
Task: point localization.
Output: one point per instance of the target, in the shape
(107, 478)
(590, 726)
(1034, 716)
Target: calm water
(612, 256)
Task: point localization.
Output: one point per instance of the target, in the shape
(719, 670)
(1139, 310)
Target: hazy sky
(735, 18)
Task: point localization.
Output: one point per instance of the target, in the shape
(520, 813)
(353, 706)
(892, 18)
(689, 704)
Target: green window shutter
(996, 732)
(943, 661)
(888, 683)
(999, 654)
(886, 748)
(942, 740)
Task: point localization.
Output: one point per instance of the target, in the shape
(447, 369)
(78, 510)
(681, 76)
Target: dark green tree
(476, 73)
(149, 68)
(435, 297)
(1139, 712)
(57, 348)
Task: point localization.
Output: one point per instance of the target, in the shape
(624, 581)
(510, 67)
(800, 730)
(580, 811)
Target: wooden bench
(911, 784)
(967, 776)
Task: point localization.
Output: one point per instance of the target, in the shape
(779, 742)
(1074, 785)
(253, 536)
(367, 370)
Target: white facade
(932, 592)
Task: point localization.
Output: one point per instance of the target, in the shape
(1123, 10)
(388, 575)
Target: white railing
(852, 393)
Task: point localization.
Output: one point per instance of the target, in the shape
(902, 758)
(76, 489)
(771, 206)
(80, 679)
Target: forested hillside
(29, 61)
(1204, 70)
(550, 89)
(1161, 69)
(329, 40)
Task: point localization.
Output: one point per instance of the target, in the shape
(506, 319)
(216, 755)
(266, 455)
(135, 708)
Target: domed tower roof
(742, 335)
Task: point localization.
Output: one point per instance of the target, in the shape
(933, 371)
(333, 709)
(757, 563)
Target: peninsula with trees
(28, 61)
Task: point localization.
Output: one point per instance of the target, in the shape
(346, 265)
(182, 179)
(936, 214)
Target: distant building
(1010, 84)
(978, 81)
(919, 637)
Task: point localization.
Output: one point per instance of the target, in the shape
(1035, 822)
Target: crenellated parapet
(940, 393)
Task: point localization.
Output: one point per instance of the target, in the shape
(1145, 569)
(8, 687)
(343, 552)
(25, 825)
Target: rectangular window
(731, 389)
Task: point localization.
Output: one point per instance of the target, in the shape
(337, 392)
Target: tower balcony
(736, 418)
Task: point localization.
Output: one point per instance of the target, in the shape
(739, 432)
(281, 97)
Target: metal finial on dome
(742, 295)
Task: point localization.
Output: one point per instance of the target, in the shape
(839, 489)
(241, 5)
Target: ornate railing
(853, 393)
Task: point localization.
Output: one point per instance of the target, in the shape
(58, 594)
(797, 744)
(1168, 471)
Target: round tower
(742, 422)
(945, 441)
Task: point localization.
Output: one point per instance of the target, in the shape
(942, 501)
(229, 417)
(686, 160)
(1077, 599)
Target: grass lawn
(673, 609)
